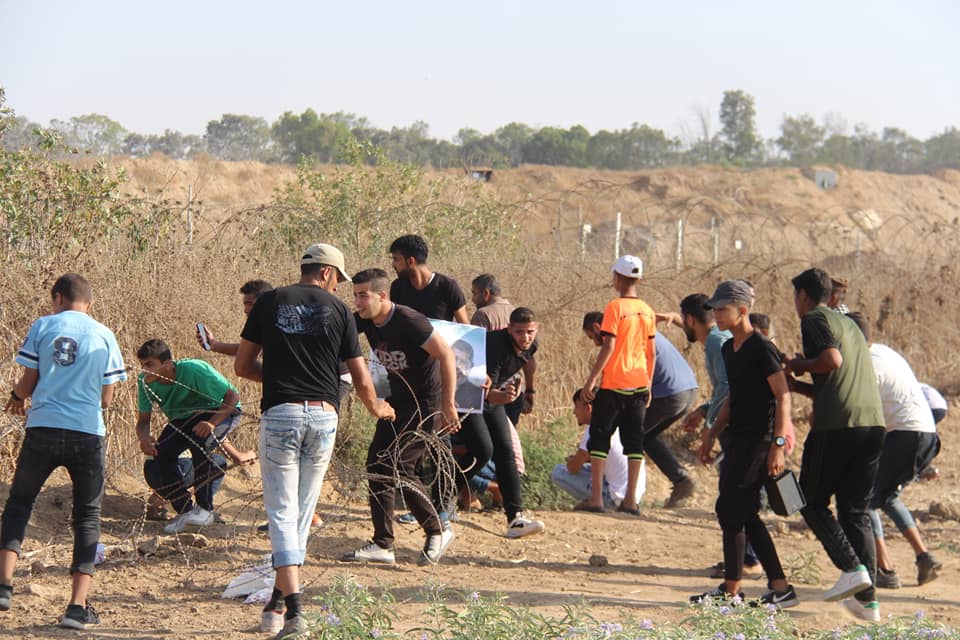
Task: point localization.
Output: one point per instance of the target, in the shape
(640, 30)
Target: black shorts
(614, 410)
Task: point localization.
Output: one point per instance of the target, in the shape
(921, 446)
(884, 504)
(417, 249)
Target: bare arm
(593, 380)
(705, 455)
(23, 389)
(439, 350)
(826, 361)
(529, 369)
(782, 422)
(577, 460)
(246, 364)
(106, 395)
(363, 385)
(147, 444)
(227, 408)
(460, 315)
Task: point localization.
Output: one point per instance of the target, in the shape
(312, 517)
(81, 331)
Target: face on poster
(469, 345)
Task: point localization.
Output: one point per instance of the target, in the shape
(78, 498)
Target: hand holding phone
(202, 336)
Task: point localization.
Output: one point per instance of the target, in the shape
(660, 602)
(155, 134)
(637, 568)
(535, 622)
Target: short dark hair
(522, 315)
(378, 279)
(815, 283)
(861, 321)
(154, 348)
(692, 305)
(488, 282)
(256, 287)
(760, 321)
(591, 318)
(411, 246)
(73, 287)
(578, 396)
(313, 269)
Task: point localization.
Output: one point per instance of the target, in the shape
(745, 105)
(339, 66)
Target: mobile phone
(203, 336)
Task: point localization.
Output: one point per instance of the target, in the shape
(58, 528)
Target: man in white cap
(304, 332)
(623, 372)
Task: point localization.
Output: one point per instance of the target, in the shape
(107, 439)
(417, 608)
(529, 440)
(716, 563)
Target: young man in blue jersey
(71, 364)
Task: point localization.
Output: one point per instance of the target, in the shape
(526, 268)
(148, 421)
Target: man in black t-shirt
(421, 370)
(756, 416)
(508, 350)
(433, 294)
(304, 332)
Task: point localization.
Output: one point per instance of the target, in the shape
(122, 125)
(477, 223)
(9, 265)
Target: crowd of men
(872, 427)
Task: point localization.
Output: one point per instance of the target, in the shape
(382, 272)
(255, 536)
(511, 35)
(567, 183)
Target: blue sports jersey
(75, 357)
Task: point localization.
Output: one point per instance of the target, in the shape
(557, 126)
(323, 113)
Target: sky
(602, 64)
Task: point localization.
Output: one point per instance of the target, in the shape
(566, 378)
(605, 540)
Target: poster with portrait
(469, 344)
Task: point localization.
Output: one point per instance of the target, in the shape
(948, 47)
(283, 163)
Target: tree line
(321, 137)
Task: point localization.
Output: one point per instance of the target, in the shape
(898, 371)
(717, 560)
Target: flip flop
(586, 506)
(635, 511)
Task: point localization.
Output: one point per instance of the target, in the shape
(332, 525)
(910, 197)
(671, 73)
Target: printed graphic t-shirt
(632, 322)
(305, 333)
(75, 357)
(414, 376)
(438, 300)
(198, 387)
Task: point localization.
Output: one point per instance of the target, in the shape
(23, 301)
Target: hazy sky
(601, 64)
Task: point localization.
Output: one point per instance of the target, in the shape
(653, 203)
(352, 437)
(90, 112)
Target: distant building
(825, 179)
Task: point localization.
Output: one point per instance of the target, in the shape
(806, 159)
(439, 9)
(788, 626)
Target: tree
(19, 133)
(511, 140)
(238, 137)
(800, 138)
(309, 135)
(558, 147)
(93, 132)
(738, 129)
(943, 151)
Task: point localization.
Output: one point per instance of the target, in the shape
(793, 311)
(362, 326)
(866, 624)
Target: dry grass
(903, 275)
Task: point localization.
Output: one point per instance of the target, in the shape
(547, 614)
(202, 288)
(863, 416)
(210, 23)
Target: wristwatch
(780, 441)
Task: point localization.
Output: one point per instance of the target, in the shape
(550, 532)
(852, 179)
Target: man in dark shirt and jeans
(304, 332)
(421, 370)
(842, 450)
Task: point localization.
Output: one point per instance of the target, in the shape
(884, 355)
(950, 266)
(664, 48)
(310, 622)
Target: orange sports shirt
(632, 322)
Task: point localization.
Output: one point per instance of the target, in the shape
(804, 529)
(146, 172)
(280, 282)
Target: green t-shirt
(847, 396)
(198, 387)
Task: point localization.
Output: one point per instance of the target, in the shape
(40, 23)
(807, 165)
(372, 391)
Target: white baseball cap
(629, 266)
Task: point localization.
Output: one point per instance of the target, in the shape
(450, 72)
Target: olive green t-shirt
(847, 396)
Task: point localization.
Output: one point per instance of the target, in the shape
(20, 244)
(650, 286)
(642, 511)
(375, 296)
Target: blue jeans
(578, 484)
(296, 444)
(904, 454)
(43, 450)
(479, 482)
(171, 479)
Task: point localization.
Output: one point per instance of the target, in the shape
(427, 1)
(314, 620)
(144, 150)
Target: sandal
(635, 511)
(584, 505)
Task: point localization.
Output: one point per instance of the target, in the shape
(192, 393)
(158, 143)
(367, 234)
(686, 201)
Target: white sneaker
(869, 611)
(522, 526)
(192, 519)
(371, 552)
(849, 583)
(435, 546)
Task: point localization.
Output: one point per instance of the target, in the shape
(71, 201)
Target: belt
(316, 403)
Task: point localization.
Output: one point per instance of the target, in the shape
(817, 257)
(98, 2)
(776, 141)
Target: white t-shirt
(615, 471)
(905, 407)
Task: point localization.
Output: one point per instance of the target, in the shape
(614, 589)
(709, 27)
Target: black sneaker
(780, 599)
(928, 568)
(717, 595)
(78, 617)
(887, 579)
(6, 593)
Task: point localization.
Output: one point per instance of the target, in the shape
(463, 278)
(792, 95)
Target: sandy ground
(655, 562)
